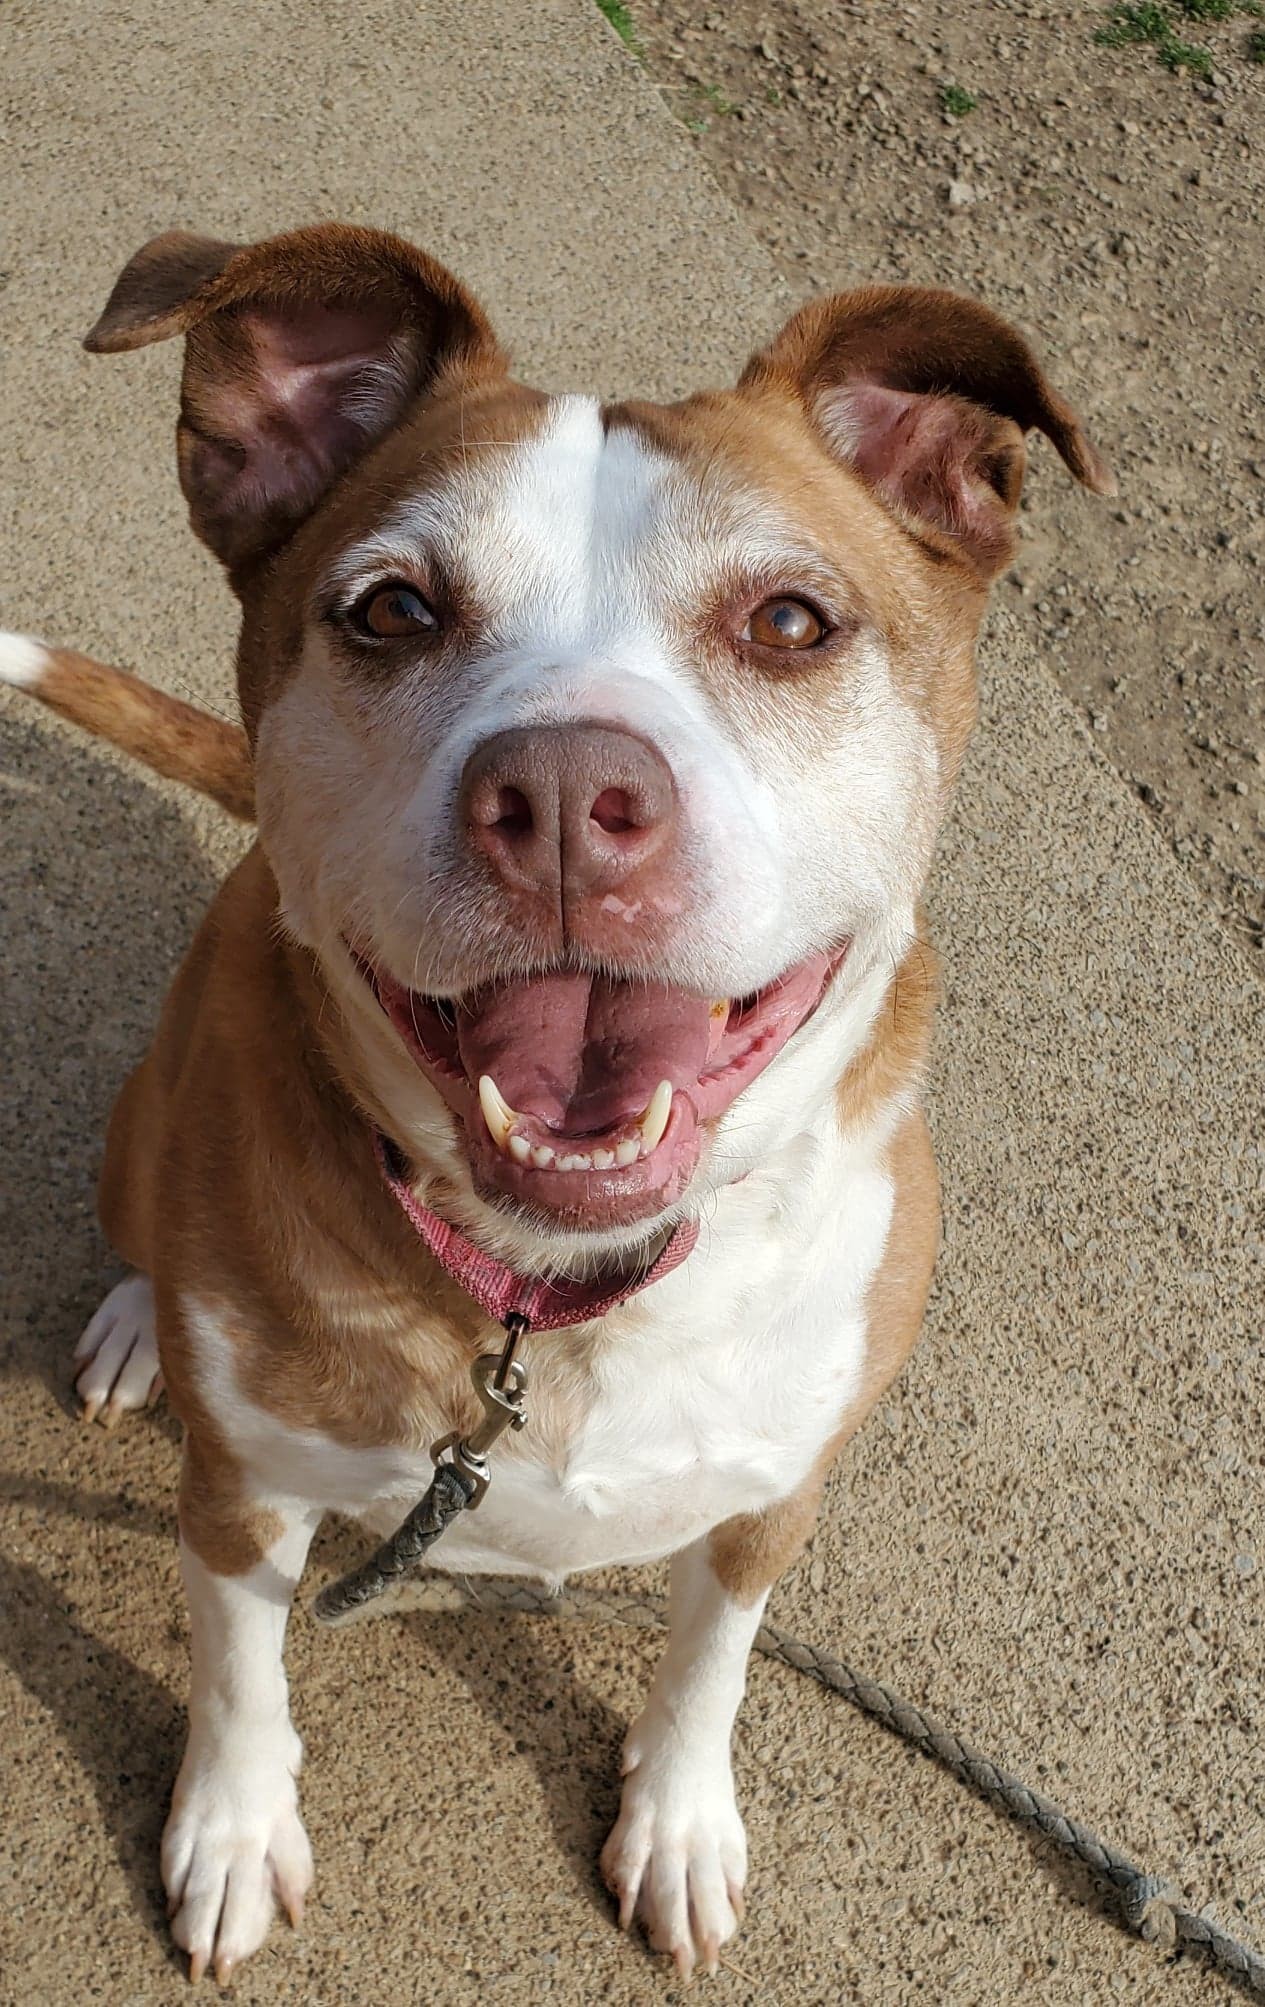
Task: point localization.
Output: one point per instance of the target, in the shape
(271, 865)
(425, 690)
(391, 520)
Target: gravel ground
(1114, 209)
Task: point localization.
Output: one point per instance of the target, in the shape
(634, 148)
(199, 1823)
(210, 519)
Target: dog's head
(600, 749)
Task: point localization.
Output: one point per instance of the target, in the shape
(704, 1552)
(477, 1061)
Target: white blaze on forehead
(580, 533)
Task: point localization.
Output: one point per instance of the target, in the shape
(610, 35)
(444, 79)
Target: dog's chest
(713, 1398)
(666, 1448)
(712, 1395)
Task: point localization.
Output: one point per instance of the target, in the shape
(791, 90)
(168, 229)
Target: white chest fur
(711, 1395)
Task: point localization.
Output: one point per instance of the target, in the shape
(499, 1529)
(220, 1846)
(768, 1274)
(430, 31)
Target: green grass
(1132, 23)
(717, 101)
(1126, 24)
(622, 22)
(704, 102)
(957, 102)
(1186, 56)
(707, 100)
(1256, 46)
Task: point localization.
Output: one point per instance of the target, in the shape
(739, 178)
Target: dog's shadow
(105, 880)
(121, 1724)
(522, 1673)
(539, 1705)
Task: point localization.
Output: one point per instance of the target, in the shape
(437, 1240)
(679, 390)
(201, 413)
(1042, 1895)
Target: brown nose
(565, 811)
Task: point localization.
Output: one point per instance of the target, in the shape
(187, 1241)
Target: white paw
(677, 1856)
(117, 1356)
(233, 1844)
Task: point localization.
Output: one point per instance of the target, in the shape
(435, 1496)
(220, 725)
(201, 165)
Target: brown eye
(393, 613)
(784, 623)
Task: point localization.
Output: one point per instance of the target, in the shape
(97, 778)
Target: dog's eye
(784, 623)
(392, 613)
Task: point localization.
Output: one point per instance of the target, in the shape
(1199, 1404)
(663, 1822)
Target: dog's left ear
(927, 396)
(300, 353)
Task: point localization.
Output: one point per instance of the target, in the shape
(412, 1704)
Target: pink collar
(545, 1306)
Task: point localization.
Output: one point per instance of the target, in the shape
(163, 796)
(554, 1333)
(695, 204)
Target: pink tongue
(582, 1052)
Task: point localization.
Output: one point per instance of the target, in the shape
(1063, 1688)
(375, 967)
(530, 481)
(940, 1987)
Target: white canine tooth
(719, 1008)
(542, 1156)
(497, 1113)
(520, 1148)
(627, 1153)
(603, 1160)
(655, 1120)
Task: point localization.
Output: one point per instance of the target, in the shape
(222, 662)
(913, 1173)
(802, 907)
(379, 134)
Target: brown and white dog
(599, 753)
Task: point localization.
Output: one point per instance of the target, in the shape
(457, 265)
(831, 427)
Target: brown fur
(176, 739)
(928, 342)
(893, 1060)
(479, 411)
(248, 309)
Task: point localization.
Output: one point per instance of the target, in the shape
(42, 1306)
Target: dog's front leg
(234, 1839)
(677, 1856)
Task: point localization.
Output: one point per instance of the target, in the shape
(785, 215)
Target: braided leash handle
(450, 1492)
(1148, 1904)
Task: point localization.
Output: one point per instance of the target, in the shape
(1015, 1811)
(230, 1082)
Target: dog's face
(600, 749)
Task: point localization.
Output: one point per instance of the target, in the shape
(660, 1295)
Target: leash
(462, 1476)
(1148, 1904)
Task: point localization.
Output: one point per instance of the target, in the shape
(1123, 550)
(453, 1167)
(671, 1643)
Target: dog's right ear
(300, 353)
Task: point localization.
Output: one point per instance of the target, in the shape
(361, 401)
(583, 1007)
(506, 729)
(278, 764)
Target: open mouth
(586, 1096)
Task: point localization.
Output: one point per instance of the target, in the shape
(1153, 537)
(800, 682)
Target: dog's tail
(174, 738)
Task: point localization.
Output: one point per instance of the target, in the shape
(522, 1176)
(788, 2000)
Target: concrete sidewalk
(1052, 1533)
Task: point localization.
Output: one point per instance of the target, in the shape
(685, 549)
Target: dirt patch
(1111, 200)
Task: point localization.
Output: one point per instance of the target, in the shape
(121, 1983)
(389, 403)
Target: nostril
(615, 813)
(512, 814)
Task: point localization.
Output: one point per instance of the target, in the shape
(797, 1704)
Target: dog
(598, 754)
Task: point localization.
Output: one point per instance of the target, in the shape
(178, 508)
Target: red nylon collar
(546, 1306)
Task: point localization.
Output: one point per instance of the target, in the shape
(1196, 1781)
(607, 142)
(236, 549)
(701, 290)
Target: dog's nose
(566, 811)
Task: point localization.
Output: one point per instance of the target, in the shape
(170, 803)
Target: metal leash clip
(500, 1381)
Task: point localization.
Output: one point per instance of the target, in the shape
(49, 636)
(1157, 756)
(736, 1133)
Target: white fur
(808, 819)
(234, 1836)
(591, 553)
(677, 1855)
(117, 1355)
(23, 661)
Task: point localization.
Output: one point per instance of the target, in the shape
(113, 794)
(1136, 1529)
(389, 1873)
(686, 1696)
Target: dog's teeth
(497, 1113)
(502, 1121)
(719, 1007)
(655, 1120)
